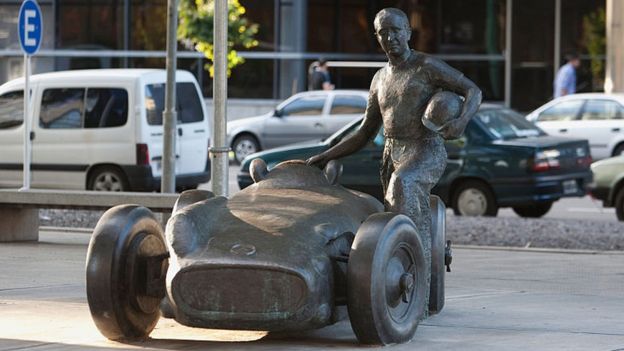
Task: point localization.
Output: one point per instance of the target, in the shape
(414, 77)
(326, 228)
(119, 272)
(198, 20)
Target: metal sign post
(219, 151)
(167, 182)
(30, 29)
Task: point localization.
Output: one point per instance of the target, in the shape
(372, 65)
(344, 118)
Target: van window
(11, 109)
(106, 107)
(61, 108)
(188, 103)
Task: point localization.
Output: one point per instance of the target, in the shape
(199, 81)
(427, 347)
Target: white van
(102, 130)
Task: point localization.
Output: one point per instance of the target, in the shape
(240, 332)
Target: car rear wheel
(107, 179)
(535, 210)
(126, 267)
(386, 280)
(244, 146)
(619, 204)
(619, 150)
(474, 198)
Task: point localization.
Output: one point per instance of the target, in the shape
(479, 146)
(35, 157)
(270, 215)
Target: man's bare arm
(453, 80)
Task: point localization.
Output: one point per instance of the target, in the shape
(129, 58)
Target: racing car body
(282, 254)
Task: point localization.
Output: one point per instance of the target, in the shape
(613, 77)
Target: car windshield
(505, 124)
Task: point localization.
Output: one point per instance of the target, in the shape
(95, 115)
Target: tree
(594, 40)
(196, 29)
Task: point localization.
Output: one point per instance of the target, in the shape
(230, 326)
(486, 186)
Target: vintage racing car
(286, 253)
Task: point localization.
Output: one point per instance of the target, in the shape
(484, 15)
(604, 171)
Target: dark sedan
(501, 161)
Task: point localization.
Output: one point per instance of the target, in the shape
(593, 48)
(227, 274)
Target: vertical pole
(508, 25)
(614, 68)
(167, 184)
(219, 150)
(126, 31)
(557, 37)
(27, 124)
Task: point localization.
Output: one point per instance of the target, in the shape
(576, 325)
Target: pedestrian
(414, 156)
(319, 78)
(565, 80)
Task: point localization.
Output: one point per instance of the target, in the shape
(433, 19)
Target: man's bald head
(391, 12)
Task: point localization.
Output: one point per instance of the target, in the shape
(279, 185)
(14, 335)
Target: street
(566, 208)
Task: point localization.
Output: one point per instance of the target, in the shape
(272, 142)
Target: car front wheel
(535, 210)
(619, 205)
(474, 198)
(244, 146)
(386, 280)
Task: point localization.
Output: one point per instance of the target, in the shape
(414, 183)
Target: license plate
(570, 187)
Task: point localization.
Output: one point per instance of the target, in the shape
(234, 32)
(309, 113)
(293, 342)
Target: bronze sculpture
(286, 253)
(414, 157)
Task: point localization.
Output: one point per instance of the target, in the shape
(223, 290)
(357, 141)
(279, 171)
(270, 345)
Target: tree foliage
(196, 29)
(594, 40)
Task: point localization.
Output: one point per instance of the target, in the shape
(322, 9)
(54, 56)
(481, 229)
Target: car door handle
(563, 130)
(615, 130)
(180, 132)
(318, 125)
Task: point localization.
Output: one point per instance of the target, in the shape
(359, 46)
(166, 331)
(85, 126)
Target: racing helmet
(443, 107)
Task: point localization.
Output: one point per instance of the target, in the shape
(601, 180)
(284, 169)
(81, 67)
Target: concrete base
(19, 224)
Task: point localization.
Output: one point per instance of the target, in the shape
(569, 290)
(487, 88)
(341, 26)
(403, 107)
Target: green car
(608, 184)
(501, 161)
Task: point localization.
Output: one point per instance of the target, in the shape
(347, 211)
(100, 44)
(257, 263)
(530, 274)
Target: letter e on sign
(30, 27)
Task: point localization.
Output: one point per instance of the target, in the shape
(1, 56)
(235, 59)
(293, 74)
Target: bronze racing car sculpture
(287, 253)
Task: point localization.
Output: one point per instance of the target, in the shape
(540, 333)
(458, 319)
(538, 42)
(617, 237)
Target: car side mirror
(277, 113)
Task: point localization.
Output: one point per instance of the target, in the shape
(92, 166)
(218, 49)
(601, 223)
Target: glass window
(507, 124)
(106, 107)
(88, 25)
(11, 109)
(61, 108)
(306, 106)
(188, 103)
(348, 104)
(601, 110)
(564, 111)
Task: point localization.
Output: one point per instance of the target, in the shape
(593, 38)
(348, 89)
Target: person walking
(319, 76)
(565, 80)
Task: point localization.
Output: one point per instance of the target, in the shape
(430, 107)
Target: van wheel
(244, 146)
(107, 179)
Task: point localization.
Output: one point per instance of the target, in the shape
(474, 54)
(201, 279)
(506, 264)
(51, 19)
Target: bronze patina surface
(414, 157)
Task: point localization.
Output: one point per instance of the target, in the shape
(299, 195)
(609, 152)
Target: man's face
(392, 34)
(576, 63)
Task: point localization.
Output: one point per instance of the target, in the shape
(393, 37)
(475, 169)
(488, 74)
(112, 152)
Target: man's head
(393, 31)
(574, 59)
(322, 64)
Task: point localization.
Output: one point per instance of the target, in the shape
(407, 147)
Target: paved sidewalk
(496, 300)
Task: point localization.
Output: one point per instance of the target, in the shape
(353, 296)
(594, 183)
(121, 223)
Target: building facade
(510, 48)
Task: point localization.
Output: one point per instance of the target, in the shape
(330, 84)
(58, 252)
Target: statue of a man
(414, 157)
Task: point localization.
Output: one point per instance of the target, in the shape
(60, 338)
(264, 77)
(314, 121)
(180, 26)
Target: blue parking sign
(30, 26)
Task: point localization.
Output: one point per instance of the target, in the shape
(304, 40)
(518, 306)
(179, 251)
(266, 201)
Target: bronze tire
(123, 237)
(386, 280)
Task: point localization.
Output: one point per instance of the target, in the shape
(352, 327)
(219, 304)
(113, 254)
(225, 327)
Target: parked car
(102, 130)
(501, 161)
(593, 116)
(305, 116)
(608, 184)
